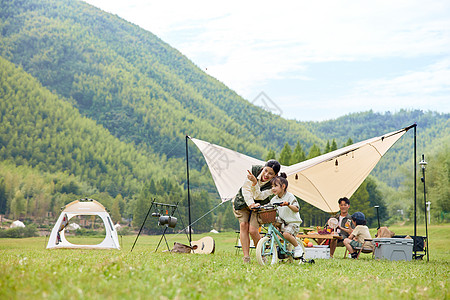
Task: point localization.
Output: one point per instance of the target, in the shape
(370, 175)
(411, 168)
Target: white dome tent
(17, 224)
(83, 207)
(73, 226)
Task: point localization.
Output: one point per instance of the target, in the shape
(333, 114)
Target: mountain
(95, 104)
(45, 132)
(135, 85)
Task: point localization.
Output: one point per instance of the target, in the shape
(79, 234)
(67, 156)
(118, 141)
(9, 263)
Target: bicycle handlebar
(267, 206)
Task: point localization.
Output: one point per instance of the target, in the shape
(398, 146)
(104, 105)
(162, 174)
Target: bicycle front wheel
(264, 254)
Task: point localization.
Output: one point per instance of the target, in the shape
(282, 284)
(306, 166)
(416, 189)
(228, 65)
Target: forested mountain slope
(42, 131)
(135, 85)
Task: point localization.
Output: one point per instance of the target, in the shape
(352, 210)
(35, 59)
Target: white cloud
(250, 44)
(427, 89)
(434, 79)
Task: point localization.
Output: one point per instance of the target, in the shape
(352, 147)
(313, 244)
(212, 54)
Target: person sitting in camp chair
(345, 225)
(359, 234)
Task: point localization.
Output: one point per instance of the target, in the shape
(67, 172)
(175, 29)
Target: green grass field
(29, 271)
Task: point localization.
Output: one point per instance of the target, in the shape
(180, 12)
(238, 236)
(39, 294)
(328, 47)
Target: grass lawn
(29, 271)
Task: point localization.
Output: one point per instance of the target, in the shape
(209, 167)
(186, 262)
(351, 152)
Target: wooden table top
(319, 236)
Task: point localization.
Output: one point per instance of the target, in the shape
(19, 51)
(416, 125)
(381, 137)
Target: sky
(310, 60)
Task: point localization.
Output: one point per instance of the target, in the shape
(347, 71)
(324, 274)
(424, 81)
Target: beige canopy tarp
(319, 181)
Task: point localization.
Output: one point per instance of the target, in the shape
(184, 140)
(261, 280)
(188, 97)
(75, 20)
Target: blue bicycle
(273, 247)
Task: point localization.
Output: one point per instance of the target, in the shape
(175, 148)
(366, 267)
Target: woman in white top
(254, 192)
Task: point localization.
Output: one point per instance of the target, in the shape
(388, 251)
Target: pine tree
(271, 155)
(314, 152)
(298, 155)
(360, 201)
(327, 147)
(333, 145)
(285, 155)
(3, 199)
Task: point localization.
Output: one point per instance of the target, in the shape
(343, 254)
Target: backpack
(384, 232)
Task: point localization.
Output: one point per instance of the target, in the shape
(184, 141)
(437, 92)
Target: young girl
(254, 192)
(288, 212)
(361, 232)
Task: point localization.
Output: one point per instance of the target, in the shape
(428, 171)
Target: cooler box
(317, 252)
(393, 248)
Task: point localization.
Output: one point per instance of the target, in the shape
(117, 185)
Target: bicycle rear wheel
(264, 255)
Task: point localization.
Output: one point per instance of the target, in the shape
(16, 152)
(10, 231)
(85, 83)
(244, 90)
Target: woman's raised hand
(252, 178)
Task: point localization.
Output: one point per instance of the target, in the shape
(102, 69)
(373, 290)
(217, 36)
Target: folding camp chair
(419, 246)
(238, 245)
(367, 247)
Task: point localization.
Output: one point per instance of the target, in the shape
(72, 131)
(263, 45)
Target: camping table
(318, 237)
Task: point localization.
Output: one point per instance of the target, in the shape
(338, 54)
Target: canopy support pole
(188, 191)
(415, 190)
(425, 210)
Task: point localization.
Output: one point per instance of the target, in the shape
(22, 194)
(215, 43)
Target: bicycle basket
(268, 216)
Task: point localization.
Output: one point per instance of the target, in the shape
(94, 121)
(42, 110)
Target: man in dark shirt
(345, 225)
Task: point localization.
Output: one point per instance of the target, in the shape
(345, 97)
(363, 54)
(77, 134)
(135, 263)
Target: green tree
(311, 215)
(376, 199)
(333, 145)
(200, 205)
(141, 206)
(285, 155)
(298, 155)
(115, 211)
(3, 199)
(360, 201)
(104, 198)
(122, 204)
(18, 205)
(271, 155)
(437, 180)
(327, 147)
(229, 220)
(314, 152)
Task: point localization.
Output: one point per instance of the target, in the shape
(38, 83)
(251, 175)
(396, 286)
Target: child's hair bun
(282, 174)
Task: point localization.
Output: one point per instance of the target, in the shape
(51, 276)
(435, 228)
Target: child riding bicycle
(288, 212)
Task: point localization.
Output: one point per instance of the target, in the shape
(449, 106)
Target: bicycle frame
(274, 236)
(267, 251)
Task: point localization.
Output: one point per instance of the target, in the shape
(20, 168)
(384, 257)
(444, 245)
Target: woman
(257, 183)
